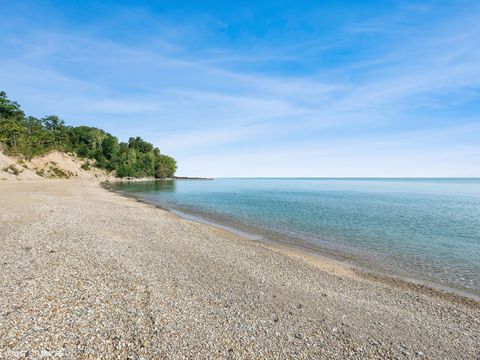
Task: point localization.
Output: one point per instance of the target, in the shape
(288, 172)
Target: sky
(259, 88)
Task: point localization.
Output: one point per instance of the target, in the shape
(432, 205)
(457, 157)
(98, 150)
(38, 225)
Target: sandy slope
(51, 165)
(7, 173)
(86, 273)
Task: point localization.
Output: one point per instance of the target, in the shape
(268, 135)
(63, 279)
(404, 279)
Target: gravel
(86, 273)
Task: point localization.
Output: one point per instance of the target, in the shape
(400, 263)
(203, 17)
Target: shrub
(57, 172)
(86, 165)
(12, 169)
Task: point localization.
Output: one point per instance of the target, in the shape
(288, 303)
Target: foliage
(86, 165)
(12, 169)
(165, 167)
(29, 136)
(59, 173)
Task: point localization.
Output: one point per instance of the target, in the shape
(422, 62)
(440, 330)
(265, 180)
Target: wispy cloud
(273, 103)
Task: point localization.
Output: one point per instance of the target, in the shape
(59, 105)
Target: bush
(12, 169)
(59, 173)
(86, 165)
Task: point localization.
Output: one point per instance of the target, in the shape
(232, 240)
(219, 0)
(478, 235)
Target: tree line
(29, 136)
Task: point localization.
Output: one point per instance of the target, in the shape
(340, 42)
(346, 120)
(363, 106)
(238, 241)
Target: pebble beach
(87, 273)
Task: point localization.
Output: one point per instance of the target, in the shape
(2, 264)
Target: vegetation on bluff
(29, 136)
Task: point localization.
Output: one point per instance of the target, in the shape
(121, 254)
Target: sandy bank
(86, 272)
(54, 164)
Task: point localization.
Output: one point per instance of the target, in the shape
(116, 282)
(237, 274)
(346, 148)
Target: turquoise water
(425, 229)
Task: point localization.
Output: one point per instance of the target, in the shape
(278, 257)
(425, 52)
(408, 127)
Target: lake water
(424, 229)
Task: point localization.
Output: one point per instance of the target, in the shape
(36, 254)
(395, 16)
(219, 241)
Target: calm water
(426, 229)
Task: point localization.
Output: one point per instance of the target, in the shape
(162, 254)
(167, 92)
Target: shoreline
(323, 255)
(88, 272)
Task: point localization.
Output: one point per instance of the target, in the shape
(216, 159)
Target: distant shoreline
(191, 178)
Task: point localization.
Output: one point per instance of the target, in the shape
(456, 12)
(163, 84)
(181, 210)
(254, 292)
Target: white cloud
(224, 121)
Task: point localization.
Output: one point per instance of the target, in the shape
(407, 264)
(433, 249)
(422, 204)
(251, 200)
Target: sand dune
(55, 164)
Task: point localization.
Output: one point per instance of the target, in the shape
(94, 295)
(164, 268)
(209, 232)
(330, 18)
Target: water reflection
(147, 186)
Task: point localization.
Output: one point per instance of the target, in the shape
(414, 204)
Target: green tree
(31, 136)
(9, 109)
(165, 167)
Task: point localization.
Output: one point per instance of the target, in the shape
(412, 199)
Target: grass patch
(86, 165)
(12, 169)
(57, 172)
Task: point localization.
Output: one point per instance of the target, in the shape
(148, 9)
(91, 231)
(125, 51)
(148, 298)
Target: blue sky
(259, 88)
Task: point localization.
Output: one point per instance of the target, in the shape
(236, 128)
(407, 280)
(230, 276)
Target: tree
(31, 136)
(165, 167)
(9, 109)
(11, 118)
